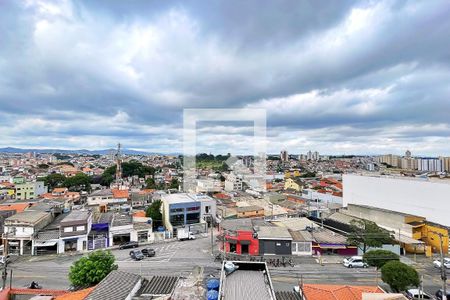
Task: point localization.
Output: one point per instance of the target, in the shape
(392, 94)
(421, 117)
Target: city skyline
(360, 78)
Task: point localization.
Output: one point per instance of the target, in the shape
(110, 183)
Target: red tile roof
(18, 207)
(78, 295)
(120, 193)
(337, 292)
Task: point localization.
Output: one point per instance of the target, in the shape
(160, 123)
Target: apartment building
(30, 190)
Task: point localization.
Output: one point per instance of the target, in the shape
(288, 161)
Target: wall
(416, 197)
(281, 247)
(325, 198)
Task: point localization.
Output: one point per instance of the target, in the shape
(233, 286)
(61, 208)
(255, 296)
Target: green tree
(43, 166)
(364, 234)
(174, 184)
(154, 211)
(130, 168)
(378, 258)
(79, 182)
(90, 270)
(54, 180)
(399, 276)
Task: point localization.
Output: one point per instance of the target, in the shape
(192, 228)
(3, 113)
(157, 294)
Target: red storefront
(241, 242)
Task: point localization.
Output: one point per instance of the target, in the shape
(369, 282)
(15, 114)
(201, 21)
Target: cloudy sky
(334, 76)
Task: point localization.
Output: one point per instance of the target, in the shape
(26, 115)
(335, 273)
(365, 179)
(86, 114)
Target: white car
(4, 259)
(437, 263)
(355, 262)
(417, 294)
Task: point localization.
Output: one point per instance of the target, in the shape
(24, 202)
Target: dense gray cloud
(340, 77)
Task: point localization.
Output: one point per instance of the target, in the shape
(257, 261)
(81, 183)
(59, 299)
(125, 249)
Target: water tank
(212, 295)
(213, 284)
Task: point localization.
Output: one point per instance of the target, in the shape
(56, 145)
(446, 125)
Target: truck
(185, 234)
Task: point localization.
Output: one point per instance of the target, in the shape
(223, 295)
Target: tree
(364, 234)
(378, 258)
(174, 184)
(90, 270)
(78, 182)
(154, 212)
(399, 276)
(54, 180)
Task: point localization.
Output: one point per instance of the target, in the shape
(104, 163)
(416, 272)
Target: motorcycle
(35, 286)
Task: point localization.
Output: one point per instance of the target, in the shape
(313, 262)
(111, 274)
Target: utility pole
(212, 233)
(443, 274)
(5, 273)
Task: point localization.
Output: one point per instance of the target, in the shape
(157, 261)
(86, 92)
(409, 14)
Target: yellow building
(250, 211)
(432, 234)
(291, 184)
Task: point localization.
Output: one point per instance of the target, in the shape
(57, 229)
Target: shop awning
(45, 244)
(332, 246)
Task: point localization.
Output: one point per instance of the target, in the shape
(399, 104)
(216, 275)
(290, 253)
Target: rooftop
(337, 292)
(116, 286)
(19, 207)
(237, 224)
(184, 198)
(251, 281)
(105, 192)
(77, 215)
(249, 208)
(158, 285)
(28, 216)
(121, 220)
(272, 232)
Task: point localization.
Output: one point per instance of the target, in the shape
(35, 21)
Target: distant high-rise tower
(408, 154)
(118, 164)
(284, 156)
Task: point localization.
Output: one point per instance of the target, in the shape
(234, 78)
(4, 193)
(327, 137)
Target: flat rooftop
(251, 281)
(185, 198)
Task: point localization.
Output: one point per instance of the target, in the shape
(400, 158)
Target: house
(20, 228)
(119, 285)
(120, 229)
(302, 242)
(245, 280)
(62, 193)
(74, 231)
(109, 199)
(30, 190)
(233, 182)
(239, 237)
(183, 209)
(337, 292)
(141, 198)
(250, 211)
(274, 240)
(292, 184)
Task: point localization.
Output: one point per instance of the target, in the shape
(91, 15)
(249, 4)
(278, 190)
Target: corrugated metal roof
(158, 285)
(285, 295)
(116, 286)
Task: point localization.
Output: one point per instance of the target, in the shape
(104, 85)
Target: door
(244, 249)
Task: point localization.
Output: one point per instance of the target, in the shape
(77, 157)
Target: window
(80, 228)
(207, 209)
(68, 229)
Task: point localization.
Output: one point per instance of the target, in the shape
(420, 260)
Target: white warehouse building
(427, 199)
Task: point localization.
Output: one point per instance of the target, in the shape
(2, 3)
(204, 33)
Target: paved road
(179, 258)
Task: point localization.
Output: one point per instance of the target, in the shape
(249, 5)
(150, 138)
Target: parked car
(136, 254)
(129, 245)
(437, 263)
(439, 294)
(417, 294)
(355, 262)
(4, 259)
(148, 252)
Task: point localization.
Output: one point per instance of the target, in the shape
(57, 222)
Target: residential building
(109, 199)
(183, 209)
(274, 240)
(30, 190)
(233, 182)
(74, 231)
(292, 184)
(284, 156)
(430, 164)
(250, 211)
(20, 228)
(337, 292)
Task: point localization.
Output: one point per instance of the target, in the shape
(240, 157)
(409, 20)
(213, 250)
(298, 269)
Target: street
(179, 258)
